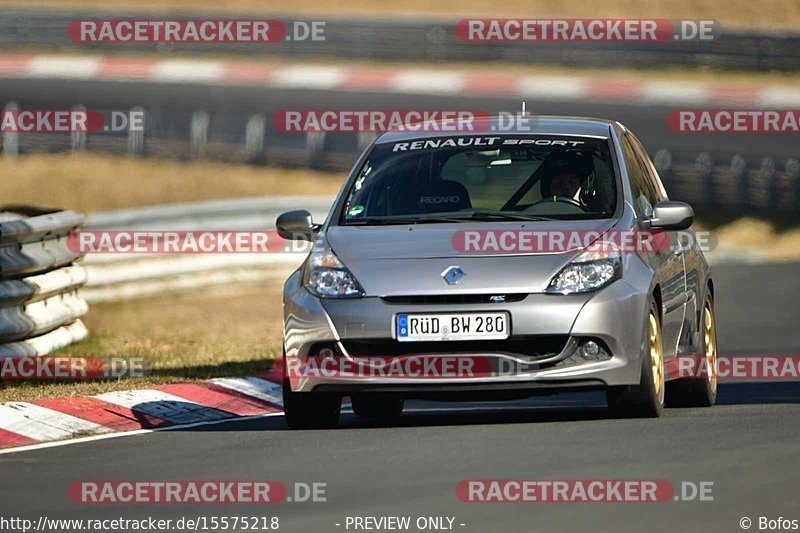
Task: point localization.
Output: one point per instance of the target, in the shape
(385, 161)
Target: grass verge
(180, 337)
(91, 182)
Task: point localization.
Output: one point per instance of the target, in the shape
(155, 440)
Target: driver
(565, 184)
(566, 177)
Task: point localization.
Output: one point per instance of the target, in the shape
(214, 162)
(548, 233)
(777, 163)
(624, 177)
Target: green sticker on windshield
(356, 210)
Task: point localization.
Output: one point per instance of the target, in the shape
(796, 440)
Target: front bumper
(612, 316)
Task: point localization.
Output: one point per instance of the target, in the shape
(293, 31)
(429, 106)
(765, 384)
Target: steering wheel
(561, 199)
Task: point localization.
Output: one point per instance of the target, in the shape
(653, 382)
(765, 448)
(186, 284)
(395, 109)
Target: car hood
(410, 259)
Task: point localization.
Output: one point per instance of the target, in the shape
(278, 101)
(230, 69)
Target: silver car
(492, 265)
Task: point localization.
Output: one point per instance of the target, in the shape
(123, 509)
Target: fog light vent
(326, 352)
(586, 351)
(590, 350)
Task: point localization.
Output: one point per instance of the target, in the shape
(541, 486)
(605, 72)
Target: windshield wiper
(483, 215)
(378, 221)
(476, 216)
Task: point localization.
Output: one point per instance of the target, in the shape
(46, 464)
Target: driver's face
(568, 185)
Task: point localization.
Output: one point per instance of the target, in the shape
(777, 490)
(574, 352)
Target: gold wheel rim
(710, 338)
(656, 357)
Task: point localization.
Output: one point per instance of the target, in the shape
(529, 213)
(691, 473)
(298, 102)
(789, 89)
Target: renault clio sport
(432, 253)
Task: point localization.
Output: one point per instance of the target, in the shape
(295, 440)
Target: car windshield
(492, 178)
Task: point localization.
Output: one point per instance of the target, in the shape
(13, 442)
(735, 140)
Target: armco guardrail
(731, 183)
(119, 276)
(432, 41)
(40, 307)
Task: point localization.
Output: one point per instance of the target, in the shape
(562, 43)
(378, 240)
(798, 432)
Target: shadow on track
(759, 392)
(572, 407)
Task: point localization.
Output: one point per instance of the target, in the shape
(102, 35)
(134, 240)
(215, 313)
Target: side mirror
(297, 226)
(671, 215)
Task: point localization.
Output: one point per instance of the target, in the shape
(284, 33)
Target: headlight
(595, 268)
(327, 277)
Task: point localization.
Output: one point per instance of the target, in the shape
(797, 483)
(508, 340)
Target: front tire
(702, 391)
(646, 399)
(310, 410)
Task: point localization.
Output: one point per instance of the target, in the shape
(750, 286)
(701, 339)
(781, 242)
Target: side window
(644, 195)
(650, 172)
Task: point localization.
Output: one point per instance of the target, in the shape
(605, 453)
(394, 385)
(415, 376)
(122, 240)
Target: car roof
(536, 125)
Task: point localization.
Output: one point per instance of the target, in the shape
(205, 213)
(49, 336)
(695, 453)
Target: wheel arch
(657, 296)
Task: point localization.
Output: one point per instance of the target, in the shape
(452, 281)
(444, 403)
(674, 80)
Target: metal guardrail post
(437, 43)
(254, 137)
(136, 136)
(11, 138)
(769, 178)
(77, 139)
(739, 177)
(793, 171)
(315, 147)
(705, 170)
(365, 137)
(662, 160)
(198, 133)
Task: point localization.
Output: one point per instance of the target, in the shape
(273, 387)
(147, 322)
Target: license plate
(452, 327)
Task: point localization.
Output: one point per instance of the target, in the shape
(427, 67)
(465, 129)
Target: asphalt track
(747, 446)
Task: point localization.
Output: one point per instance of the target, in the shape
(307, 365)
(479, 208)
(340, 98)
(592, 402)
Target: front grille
(442, 299)
(531, 347)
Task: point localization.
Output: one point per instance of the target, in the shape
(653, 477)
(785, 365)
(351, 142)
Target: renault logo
(453, 274)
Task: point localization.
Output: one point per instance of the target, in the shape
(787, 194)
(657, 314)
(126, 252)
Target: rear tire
(646, 399)
(310, 410)
(701, 391)
(377, 406)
